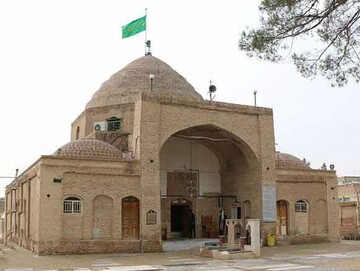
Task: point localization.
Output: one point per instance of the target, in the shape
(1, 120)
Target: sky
(54, 55)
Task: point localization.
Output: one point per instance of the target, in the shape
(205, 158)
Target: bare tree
(332, 26)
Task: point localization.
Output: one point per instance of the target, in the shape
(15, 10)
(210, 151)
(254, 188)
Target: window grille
(114, 124)
(301, 207)
(72, 205)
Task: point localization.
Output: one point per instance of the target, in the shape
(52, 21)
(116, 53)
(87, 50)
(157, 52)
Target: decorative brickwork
(120, 177)
(89, 149)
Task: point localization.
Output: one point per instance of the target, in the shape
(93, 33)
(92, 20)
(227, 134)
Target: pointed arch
(103, 217)
(301, 217)
(224, 164)
(77, 133)
(282, 217)
(215, 133)
(319, 216)
(247, 209)
(130, 217)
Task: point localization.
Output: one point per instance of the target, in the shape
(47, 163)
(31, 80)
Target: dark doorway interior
(181, 219)
(238, 212)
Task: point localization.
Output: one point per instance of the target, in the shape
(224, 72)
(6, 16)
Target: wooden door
(282, 220)
(130, 218)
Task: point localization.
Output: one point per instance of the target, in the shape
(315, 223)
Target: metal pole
(151, 76)
(145, 30)
(255, 96)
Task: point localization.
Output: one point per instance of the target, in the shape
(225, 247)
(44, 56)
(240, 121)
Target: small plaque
(96, 232)
(151, 217)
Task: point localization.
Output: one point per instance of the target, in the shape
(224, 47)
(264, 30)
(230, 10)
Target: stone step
(241, 255)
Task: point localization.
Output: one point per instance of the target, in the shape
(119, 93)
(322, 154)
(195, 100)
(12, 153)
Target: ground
(325, 256)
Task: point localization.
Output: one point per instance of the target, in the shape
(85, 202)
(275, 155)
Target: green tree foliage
(331, 28)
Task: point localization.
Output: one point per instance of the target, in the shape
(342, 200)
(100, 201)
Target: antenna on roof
(255, 92)
(212, 90)
(151, 76)
(148, 47)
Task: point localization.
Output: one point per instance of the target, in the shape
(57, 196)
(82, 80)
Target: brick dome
(135, 78)
(288, 161)
(89, 149)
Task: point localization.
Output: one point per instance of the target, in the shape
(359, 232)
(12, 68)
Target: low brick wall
(350, 242)
(98, 246)
(308, 239)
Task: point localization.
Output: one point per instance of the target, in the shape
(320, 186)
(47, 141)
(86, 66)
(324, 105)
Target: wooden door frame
(181, 202)
(134, 199)
(286, 203)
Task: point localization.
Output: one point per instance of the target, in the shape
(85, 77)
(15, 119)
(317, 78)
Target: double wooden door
(130, 218)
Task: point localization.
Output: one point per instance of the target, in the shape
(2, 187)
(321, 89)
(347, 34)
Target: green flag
(134, 27)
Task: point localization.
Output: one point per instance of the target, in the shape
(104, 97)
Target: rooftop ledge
(212, 105)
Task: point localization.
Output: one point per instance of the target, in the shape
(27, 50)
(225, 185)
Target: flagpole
(145, 30)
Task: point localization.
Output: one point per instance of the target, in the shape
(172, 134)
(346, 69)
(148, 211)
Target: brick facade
(100, 169)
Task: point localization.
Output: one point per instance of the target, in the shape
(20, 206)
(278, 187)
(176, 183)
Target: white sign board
(269, 203)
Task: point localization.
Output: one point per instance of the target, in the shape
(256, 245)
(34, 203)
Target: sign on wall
(269, 203)
(151, 217)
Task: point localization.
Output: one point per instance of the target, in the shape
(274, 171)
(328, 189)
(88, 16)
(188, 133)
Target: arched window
(72, 205)
(103, 217)
(301, 206)
(247, 209)
(77, 132)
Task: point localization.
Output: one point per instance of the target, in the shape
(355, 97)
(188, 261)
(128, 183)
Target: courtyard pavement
(325, 256)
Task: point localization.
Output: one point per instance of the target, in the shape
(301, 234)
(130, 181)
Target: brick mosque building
(150, 159)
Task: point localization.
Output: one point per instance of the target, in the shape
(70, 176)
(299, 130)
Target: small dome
(135, 78)
(89, 149)
(288, 161)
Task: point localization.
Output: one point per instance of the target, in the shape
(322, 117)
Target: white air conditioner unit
(100, 126)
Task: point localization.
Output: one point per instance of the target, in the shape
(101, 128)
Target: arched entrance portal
(282, 223)
(208, 170)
